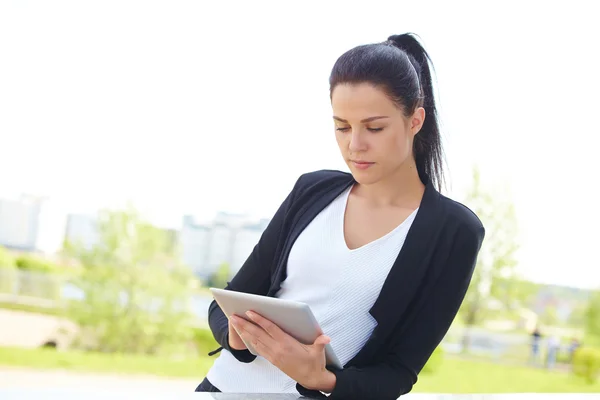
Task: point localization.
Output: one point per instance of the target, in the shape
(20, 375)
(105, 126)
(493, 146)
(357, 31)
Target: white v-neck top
(339, 284)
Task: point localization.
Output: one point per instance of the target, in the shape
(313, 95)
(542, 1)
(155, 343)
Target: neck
(402, 188)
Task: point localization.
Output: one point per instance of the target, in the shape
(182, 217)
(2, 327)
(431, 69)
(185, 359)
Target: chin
(365, 177)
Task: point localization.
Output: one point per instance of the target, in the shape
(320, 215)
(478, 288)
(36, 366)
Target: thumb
(321, 342)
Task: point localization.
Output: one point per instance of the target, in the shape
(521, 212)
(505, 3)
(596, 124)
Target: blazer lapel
(410, 267)
(408, 271)
(302, 218)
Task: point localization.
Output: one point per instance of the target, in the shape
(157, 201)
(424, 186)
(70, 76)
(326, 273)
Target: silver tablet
(293, 317)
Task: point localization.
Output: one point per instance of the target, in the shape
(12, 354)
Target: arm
(396, 374)
(253, 277)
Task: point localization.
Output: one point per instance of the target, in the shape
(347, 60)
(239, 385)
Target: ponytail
(427, 146)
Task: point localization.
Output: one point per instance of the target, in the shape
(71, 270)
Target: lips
(362, 164)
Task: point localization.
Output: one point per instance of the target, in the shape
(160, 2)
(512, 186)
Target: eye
(374, 129)
(342, 129)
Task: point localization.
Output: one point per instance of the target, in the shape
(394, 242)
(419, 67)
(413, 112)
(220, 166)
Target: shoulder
(324, 175)
(463, 235)
(321, 180)
(462, 218)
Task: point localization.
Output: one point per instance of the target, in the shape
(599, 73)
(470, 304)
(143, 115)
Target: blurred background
(144, 145)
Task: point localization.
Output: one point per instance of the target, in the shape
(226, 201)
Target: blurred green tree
(220, 277)
(6, 259)
(495, 284)
(577, 317)
(549, 317)
(592, 319)
(8, 272)
(136, 292)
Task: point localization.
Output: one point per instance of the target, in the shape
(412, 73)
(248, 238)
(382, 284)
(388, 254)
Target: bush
(34, 264)
(7, 261)
(8, 273)
(434, 362)
(39, 278)
(586, 363)
(204, 341)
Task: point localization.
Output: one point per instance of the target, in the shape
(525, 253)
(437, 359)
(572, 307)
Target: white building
(31, 224)
(229, 239)
(194, 243)
(246, 239)
(220, 246)
(82, 229)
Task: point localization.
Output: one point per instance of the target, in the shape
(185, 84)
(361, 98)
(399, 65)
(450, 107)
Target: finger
(321, 342)
(257, 338)
(272, 329)
(251, 331)
(262, 349)
(239, 326)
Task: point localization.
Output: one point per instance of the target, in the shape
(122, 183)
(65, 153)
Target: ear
(416, 121)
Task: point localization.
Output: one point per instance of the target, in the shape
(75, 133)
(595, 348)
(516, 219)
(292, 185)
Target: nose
(357, 141)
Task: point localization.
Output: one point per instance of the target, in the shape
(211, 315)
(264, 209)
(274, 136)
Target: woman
(380, 256)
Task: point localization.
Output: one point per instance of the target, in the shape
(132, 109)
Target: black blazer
(417, 303)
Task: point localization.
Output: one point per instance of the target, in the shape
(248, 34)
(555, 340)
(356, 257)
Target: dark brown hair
(400, 66)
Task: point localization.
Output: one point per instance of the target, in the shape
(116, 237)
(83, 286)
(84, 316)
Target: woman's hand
(303, 363)
(235, 342)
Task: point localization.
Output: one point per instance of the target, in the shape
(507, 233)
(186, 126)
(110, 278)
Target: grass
(454, 375)
(32, 309)
(469, 376)
(104, 363)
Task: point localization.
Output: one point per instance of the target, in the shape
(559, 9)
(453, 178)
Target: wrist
(325, 382)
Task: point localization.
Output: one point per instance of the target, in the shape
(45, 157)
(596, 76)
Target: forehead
(361, 100)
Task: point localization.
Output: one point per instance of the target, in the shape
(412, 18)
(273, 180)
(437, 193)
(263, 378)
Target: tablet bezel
(293, 317)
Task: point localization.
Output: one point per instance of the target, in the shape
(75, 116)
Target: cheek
(404, 140)
(341, 140)
(405, 143)
(398, 146)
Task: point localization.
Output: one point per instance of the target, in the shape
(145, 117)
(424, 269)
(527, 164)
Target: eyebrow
(370, 119)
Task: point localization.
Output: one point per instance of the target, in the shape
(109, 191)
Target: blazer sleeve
(396, 373)
(253, 277)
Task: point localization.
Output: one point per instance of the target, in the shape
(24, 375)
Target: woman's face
(374, 136)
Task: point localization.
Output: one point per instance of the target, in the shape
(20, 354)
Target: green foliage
(435, 361)
(577, 318)
(586, 363)
(495, 277)
(592, 318)
(40, 278)
(549, 316)
(221, 276)
(8, 273)
(7, 261)
(137, 293)
(35, 264)
(204, 341)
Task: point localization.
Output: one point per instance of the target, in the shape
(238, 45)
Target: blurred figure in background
(536, 338)
(573, 346)
(552, 351)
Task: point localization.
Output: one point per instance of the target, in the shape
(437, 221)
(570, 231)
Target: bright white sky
(195, 107)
